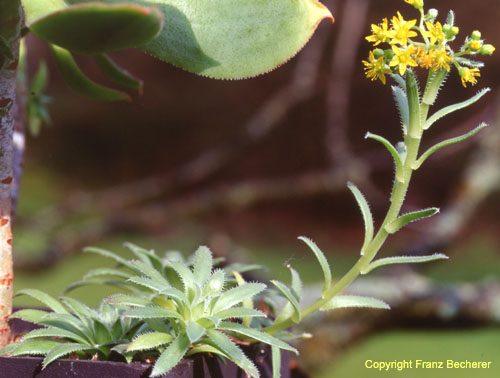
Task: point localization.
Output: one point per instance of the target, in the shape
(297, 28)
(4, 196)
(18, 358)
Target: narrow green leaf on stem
(292, 299)
(367, 215)
(402, 260)
(117, 74)
(346, 301)
(392, 150)
(446, 143)
(413, 104)
(407, 218)
(148, 341)
(80, 83)
(452, 108)
(402, 104)
(434, 83)
(323, 262)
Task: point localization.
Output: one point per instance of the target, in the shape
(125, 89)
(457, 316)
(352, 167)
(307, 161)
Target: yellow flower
(426, 60)
(403, 59)
(435, 32)
(416, 3)
(401, 30)
(441, 59)
(469, 75)
(375, 68)
(380, 33)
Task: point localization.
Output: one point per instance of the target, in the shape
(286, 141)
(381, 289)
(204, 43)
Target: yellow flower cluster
(432, 52)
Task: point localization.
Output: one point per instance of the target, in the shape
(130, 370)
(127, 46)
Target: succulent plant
(190, 307)
(72, 327)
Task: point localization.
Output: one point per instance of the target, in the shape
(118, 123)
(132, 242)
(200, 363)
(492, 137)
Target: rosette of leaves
(191, 309)
(74, 328)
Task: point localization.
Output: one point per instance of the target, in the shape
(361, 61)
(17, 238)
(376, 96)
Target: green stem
(399, 194)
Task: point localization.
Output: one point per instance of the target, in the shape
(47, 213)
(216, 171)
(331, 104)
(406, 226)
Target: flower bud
(389, 54)
(475, 45)
(454, 30)
(476, 35)
(419, 4)
(487, 49)
(433, 13)
(377, 53)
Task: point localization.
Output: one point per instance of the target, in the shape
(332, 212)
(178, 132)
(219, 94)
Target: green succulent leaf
(236, 295)
(117, 74)
(55, 332)
(345, 301)
(234, 353)
(292, 299)
(367, 215)
(202, 267)
(62, 350)
(194, 331)
(6, 350)
(172, 355)
(93, 27)
(44, 298)
(80, 83)
(79, 309)
(323, 262)
(102, 333)
(34, 348)
(33, 316)
(447, 143)
(113, 256)
(393, 151)
(106, 272)
(149, 341)
(276, 359)
(152, 313)
(67, 322)
(402, 260)
(256, 335)
(408, 218)
(235, 39)
(145, 255)
(127, 300)
(239, 312)
(147, 269)
(215, 284)
(248, 302)
(453, 108)
(101, 281)
(149, 283)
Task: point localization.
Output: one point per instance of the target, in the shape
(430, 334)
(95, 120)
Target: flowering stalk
(433, 54)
